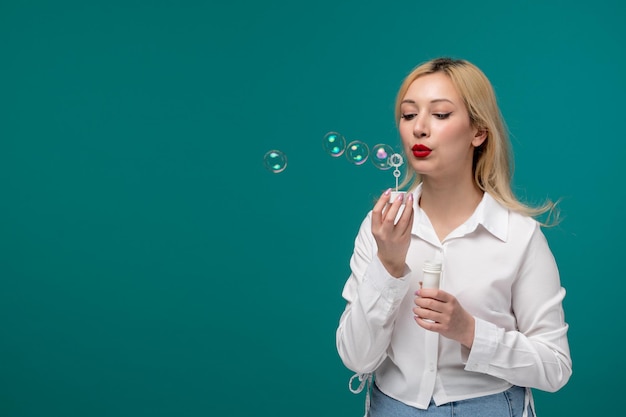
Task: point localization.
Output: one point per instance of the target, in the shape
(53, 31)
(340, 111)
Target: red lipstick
(421, 151)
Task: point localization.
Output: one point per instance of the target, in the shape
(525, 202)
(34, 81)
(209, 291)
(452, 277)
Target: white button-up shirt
(500, 268)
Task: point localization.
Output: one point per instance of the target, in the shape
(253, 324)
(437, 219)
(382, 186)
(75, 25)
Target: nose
(420, 128)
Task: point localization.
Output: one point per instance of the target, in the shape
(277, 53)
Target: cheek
(407, 140)
(406, 132)
(455, 133)
(452, 128)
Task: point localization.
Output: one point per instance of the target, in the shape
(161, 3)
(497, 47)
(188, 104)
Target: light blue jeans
(509, 403)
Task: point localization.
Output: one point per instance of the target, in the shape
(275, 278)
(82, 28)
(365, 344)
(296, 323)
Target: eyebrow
(437, 100)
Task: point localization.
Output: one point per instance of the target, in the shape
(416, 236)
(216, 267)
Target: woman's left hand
(447, 316)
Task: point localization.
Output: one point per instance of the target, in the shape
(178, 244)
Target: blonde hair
(493, 162)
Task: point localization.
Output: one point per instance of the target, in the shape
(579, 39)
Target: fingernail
(400, 197)
(411, 197)
(388, 191)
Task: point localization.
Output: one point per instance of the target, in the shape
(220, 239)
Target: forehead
(432, 87)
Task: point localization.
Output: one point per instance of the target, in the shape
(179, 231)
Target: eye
(441, 116)
(409, 116)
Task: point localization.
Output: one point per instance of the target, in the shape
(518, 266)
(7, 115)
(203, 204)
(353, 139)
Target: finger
(435, 294)
(425, 323)
(405, 223)
(429, 304)
(377, 211)
(391, 210)
(410, 223)
(423, 312)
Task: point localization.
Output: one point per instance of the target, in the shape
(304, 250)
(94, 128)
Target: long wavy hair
(493, 162)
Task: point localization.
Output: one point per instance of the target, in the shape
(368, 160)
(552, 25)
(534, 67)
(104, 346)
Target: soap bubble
(334, 143)
(357, 152)
(275, 161)
(380, 156)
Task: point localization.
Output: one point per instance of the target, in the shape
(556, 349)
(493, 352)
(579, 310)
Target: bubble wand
(396, 161)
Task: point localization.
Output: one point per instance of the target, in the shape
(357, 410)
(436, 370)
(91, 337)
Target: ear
(479, 137)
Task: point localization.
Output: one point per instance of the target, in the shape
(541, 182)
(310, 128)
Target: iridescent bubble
(357, 152)
(275, 161)
(380, 156)
(334, 143)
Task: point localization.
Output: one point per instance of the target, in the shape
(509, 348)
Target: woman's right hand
(393, 238)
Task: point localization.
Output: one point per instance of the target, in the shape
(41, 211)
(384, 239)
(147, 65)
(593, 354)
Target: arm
(372, 299)
(537, 354)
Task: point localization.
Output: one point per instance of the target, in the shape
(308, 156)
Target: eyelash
(438, 116)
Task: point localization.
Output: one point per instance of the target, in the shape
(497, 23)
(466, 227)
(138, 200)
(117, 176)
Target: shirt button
(431, 367)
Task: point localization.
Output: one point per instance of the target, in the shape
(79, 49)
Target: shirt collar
(489, 214)
(493, 217)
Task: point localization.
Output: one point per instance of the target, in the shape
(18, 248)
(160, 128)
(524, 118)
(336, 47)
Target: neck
(444, 192)
(448, 204)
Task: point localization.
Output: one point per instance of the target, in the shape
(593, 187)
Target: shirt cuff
(390, 287)
(483, 347)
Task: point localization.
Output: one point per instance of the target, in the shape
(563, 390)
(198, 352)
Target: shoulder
(507, 223)
(523, 221)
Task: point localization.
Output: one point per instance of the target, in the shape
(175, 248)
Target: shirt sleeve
(372, 299)
(536, 354)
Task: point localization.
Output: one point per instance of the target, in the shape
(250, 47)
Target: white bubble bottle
(432, 274)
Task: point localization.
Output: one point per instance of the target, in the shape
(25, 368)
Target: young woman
(495, 328)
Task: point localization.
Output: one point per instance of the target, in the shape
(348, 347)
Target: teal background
(151, 266)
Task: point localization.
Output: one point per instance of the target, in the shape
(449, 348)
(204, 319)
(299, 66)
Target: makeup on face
(421, 151)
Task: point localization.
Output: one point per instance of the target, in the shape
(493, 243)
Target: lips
(421, 151)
